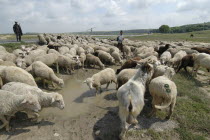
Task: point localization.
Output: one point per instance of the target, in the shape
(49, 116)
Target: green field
(199, 36)
(13, 37)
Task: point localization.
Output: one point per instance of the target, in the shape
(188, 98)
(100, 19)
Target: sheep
(105, 76)
(173, 51)
(127, 51)
(201, 59)
(201, 50)
(68, 63)
(9, 57)
(186, 61)
(39, 69)
(177, 58)
(34, 54)
(91, 59)
(163, 92)
(129, 64)
(162, 49)
(165, 57)
(131, 97)
(82, 59)
(124, 76)
(11, 103)
(45, 99)
(161, 69)
(117, 57)
(7, 63)
(189, 51)
(63, 50)
(80, 50)
(15, 74)
(42, 40)
(53, 51)
(48, 59)
(2, 49)
(105, 57)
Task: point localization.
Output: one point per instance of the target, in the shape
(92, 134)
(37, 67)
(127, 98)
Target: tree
(164, 29)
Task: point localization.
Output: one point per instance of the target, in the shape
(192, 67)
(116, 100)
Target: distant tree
(164, 29)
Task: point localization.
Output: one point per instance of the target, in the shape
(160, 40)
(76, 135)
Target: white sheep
(45, 99)
(105, 76)
(164, 92)
(15, 74)
(63, 50)
(82, 59)
(93, 60)
(39, 69)
(53, 51)
(165, 57)
(48, 59)
(177, 58)
(105, 57)
(127, 51)
(117, 57)
(161, 69)
(131, 97)
(11, 103)
(200, 59)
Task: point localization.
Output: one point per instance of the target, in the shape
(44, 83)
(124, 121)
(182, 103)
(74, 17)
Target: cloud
(80, 15)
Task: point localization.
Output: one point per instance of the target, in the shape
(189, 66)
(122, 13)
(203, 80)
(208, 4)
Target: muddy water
(77, 96)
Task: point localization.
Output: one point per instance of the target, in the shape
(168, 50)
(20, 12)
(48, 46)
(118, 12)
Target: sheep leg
(5, 122)
(172, 105)
(124, 125)
(185, 68)
(107, 86)
(57, 67)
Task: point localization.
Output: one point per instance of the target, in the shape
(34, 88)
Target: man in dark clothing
(18, 31)
(120, 39)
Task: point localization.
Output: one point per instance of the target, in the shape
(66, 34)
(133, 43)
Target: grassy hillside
(199, 36)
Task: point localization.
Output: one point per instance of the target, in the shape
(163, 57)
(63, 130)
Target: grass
(12, 46)
(199, 36)
(13, 37)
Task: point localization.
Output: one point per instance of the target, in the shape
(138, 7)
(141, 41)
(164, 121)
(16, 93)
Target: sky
(59, 16)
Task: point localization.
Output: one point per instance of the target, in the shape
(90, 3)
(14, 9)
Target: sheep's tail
(130, 110)
(165, 105)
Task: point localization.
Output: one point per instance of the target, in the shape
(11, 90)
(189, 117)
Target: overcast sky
(57, 16)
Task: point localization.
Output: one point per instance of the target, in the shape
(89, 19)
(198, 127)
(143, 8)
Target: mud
(85, 117)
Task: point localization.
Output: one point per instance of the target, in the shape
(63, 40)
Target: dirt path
(85, 116)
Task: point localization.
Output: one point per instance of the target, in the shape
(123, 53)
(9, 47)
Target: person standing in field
(18, 31)
(120, 39)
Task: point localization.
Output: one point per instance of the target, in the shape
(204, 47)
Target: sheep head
(89, 82)
(57, 100)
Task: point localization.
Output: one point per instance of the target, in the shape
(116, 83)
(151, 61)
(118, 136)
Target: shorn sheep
(164, 92)
(105, 76)
(45, 99)
(39, 69)
(11, 103)
(131, 97)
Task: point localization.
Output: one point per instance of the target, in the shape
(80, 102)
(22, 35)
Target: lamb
(11, 103)
(165, 57)
(164, 92)
(201, 59)
(131, 97)
(117, 57)
(105, 76)
(39, 69)
(45, 99)
(186, 61)
(177, 58)
(105, 57)
(129, 64)
(91, 59)
(124, 76)
(15, 74)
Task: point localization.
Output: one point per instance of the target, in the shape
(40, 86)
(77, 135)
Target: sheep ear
(53, 100)
(24, 101)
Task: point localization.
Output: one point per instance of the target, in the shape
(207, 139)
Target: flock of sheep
(147, 65)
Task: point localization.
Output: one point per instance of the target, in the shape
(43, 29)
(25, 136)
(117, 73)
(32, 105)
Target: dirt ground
(85, 117)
